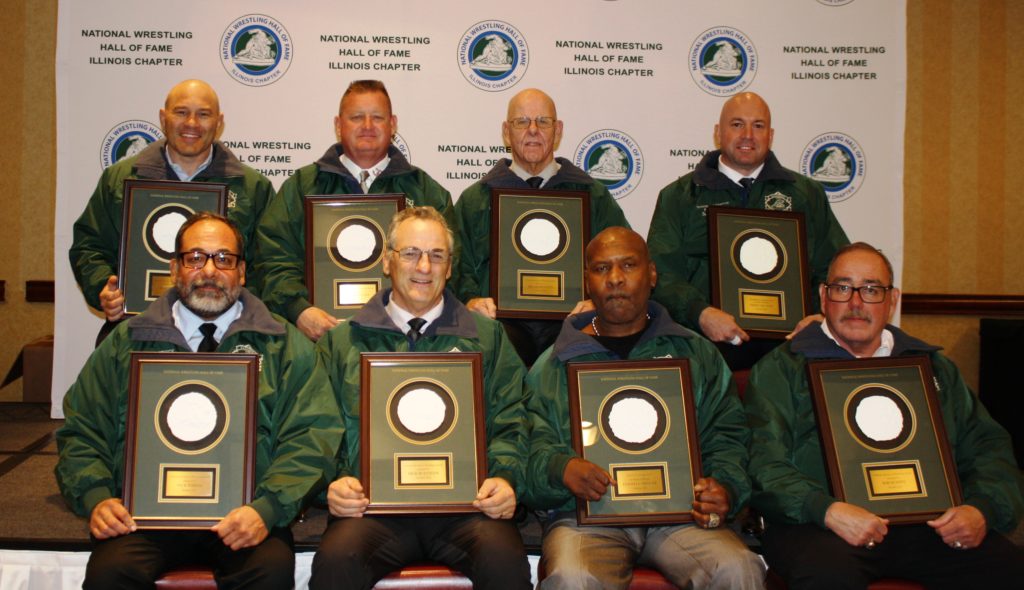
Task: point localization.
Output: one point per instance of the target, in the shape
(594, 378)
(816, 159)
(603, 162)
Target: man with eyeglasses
(363, 161)
(815, 541)
(417, 314)
(208, 310)
(533, 131)
(191, 121)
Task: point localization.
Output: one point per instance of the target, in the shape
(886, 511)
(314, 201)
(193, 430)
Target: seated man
(626, 325)
(252, 546)
(418, 314)
(815, 541)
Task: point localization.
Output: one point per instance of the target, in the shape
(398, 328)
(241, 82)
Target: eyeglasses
(196, 259)
(412, 255)
(840, 293)
(521, 123)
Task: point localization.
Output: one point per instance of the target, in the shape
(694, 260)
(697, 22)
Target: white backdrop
(644, 78)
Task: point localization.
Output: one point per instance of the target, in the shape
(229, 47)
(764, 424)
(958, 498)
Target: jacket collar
(330, 162)
(572, 342)
(814, 344)
(157, 322)
(707, 173)
(455, 319)
(151, 163)
(501, 175)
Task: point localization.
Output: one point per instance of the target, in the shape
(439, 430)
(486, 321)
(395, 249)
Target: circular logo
(422, 411)
(355, 243)
(880, 418)
(723, 61)
(399, 142)
(161, 227)
(192, 417)
(540, 236)
(834, 2)
(837, 161)
(255, 50)
(612, 158)
(493, 55)
(759, 255)
(633, 420)
(127, 139)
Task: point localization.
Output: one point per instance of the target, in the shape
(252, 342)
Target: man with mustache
(742, 172)
(815, 541)
(362, 162)
(626, 325)
(208, 310)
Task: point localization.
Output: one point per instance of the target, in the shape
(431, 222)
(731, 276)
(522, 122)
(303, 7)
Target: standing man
(815, 541)
(743, 172)
(362, 162)
(532, 130)
(207, 310)
(625, 325)
(191, 122)
(418, 314)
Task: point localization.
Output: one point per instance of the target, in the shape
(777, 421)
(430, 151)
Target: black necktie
(416, 324)
(208, 344)
(535, 181)
(745, 183)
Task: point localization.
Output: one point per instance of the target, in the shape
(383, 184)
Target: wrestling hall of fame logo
(493, 55)
(399, 142)
(837, 161)
(256, 50)
(835, 2)
(612, 158)
(126, 139)
(722, 61)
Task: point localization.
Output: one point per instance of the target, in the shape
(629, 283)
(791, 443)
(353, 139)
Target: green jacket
(298, 427)
(473, 216)
(281, 236)
(721, 427)
(678, 237)
(457, 330)
(786, 463)
(96, 242)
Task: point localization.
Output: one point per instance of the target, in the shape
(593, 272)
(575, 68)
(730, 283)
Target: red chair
(425, 576)
(189, 577)
(644, 578)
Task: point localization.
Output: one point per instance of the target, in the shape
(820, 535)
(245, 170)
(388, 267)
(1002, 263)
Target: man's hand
(807, 321)
(961, 524)
(496, 498)
(483, 306)
(315, 322)
(345, 498)
(241, 528)
(110, 519)
(582, 306)
(720, 326)
(856, 526)
(112, 300)
(710, 498)
(586, 480)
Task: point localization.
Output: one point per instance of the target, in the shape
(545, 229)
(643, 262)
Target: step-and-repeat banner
(639, 85)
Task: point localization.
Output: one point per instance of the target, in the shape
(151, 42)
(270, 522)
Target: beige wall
(963, 216)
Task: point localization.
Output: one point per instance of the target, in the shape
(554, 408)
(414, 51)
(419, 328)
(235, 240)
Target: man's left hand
(807, 321)
(582, 306)
(709, 498)
(496, 498)
(964, 525)
(241, 528)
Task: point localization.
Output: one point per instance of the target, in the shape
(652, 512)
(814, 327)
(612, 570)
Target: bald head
(744, 132)
(622, 239)
(193, 88)
(191, 121)
(530, 96)
(533, 145)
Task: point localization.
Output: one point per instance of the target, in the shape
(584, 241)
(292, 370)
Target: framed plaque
(154, 211)
(537, 243)
(759, 270)
(423, 438)
(883, 437)
(636, 420)
(191, 437)
(346, 240)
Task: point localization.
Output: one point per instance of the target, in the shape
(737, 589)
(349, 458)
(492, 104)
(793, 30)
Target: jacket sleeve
(675, 266)
(336, 352)
(550, 443)
(824, 236)
(473, 224)
(508, 432)
(259, 192)
(96, 237)
(281, 247)
(604, 210)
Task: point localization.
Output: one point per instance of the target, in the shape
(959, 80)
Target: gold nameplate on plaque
(636, 481)
(423, 471)
(354, 293)
(184, 483)
(762, 304)
(540, 285)
(893, 480)
(157, 283)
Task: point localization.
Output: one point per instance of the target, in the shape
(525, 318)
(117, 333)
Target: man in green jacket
(743, 173)
(191, 121)
(533, 131)
(417, 314)
(626, 325)
(208, 310)
(816, 541)
(362, 162)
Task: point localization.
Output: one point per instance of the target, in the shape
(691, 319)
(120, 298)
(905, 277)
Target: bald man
(678, 232)
(191, 121)
(532, 131)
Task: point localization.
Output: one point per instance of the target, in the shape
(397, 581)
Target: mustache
(204, 283)
(855, 315)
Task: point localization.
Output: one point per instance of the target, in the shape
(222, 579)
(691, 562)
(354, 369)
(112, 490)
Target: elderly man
(191, 121)
(626, 325)
(418, 314)
(363, 161)
(207, 310)
(532, 130)
(742, 172)
(815, 541)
